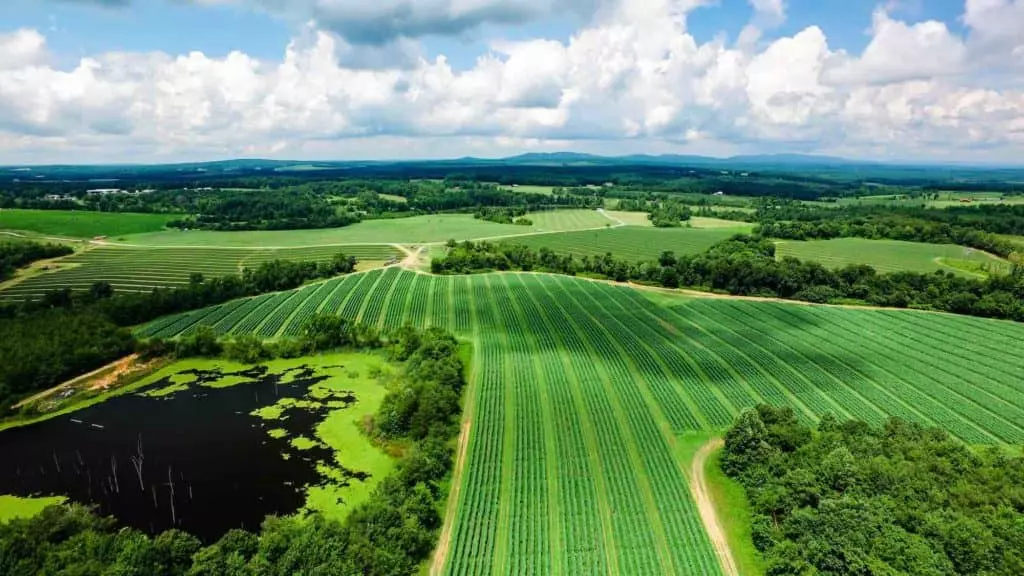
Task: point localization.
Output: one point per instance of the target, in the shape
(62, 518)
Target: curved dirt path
(706, 508)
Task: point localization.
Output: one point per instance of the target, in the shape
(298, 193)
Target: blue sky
(117, 79)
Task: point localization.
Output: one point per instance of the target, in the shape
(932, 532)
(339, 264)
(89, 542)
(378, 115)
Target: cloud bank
(632, 80)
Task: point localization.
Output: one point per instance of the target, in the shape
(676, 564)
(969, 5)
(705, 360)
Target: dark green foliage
(41, 350)
(14, 255)
(746, 265)
(391, 533)
(71, 333)
(973, 227)
(898, 499)
(663, 212)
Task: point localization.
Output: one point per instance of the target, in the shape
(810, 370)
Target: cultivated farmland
(889, 255)
(581, 389)
(130, 269)
(82, 224)
(629, 242)
(414, 230)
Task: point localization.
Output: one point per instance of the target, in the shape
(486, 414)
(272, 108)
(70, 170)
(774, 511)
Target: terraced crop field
(142, 269)
(581, 390)
(628, 242)
(887, 255)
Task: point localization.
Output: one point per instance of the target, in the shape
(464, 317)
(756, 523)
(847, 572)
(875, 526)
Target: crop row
(581, 387)
(142, 269)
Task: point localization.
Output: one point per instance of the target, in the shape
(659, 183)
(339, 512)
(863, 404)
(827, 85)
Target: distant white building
(104, 191)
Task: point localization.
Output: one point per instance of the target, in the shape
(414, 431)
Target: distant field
(630, 218)
(886, 255)
(527, 189)
(82, 224)
(558, 220)
(414, 230)
(142, 269)
(628, 242)
(1018, 240)
(718, 223)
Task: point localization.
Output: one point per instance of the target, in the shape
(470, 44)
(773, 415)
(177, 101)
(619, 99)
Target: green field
(629, 218)
(628, 242)
(582, 391)
(414, 230)
(529, 189)
(12, 507)
(82, 224)
(130, 269)
(890, 255)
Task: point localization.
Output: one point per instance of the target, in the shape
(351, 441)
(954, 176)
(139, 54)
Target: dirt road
(699, 489)
(443, 543)
(118, 368)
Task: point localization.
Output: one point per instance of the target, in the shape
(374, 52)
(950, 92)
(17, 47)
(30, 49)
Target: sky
(152, 81)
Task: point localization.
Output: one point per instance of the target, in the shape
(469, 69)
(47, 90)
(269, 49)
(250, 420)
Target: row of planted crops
(581, 387)
(140, 269)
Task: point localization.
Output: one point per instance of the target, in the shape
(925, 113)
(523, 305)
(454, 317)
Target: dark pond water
(195, 460)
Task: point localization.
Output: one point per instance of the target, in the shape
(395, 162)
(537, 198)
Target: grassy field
(718, 223)
(891, 255)
(583, 391)
(132, 269)
(82, 224)
(12, 507)
(1018, 240)
(629, 242)
(414, 230)
(529, 189)
(630, 218)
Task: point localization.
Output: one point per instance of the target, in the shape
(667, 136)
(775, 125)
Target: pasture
(891, 255)
(130, 269)
(628, 242)
(82, 224)
(582, 392)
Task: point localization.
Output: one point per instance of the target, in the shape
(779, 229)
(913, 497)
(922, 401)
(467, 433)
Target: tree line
(392, 532)
(850, 498)
(18, 254)
(667, 213)
(974, 227)
(747, 266)
(500, 215)
(69, 333)
(310, 205)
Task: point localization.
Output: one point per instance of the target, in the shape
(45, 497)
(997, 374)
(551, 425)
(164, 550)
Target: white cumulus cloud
(634, 79)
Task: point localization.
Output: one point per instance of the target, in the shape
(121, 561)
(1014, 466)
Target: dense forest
(70, 333)
(391, 533)
(848, 498)
(14, 255)
(746, 266)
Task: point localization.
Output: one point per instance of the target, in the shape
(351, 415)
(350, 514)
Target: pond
(201, 449)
